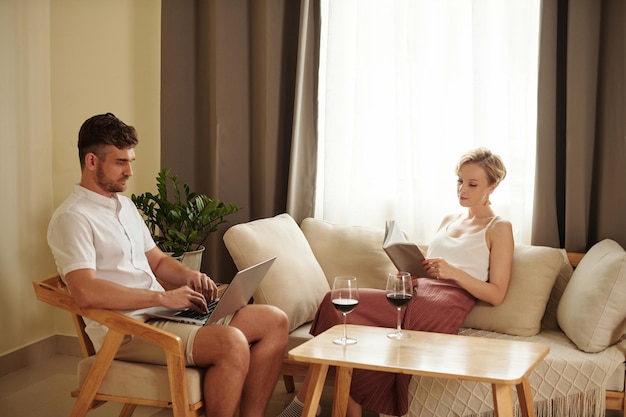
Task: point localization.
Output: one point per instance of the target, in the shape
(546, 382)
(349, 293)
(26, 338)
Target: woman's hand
(414, 281)
(439, 268)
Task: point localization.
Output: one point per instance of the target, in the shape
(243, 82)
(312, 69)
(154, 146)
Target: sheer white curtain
(407, 87)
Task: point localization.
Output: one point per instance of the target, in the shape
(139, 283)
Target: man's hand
(184, 297)
(174, 272)
(201, 283)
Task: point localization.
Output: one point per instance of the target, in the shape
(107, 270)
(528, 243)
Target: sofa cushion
(592, 311)
(295, 283)
(534, 271)
(349, 250)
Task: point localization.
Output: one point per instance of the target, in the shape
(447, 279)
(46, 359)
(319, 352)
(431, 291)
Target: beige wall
(67, 60)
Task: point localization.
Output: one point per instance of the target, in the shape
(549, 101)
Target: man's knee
(280, 317)
(276, 320)
(278, 327)
(222, 345)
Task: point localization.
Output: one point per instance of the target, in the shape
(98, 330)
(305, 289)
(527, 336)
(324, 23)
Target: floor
(42, 390)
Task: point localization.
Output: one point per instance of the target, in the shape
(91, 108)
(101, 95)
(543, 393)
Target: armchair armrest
(53, 291)
(126, 325)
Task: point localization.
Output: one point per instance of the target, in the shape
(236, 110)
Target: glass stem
(399, 327)
(345, 325)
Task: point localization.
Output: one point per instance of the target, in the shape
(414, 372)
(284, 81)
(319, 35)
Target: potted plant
(180, 220)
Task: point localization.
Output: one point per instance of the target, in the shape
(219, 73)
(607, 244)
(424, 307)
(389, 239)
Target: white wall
(64, 61)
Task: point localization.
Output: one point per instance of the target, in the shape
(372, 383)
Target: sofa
(579, 313)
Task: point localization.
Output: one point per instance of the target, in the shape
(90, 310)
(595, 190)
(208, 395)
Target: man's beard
(108, 184)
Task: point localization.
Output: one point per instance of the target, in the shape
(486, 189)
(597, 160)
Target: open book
(406, 256)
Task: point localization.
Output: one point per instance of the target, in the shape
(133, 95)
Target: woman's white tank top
(469, 253)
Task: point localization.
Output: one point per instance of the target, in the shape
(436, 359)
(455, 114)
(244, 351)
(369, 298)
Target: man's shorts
(136, 349)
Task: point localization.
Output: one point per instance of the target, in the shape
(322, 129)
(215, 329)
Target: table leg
(524, 394)
(502, 400)
(314, 392)
(343, 378)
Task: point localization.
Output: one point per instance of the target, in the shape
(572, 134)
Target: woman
(470, 258)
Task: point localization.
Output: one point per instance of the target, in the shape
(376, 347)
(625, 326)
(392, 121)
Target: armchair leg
(96, 374)
(127, 410)
(290, 385)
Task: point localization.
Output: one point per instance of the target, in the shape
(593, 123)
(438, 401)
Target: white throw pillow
(534, 271)
(295, 283)
(592, 310)
(349, 250)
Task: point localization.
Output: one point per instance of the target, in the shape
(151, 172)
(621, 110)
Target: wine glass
(399, 293)
(345, 298)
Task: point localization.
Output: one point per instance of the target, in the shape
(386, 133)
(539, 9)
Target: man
(105, 254)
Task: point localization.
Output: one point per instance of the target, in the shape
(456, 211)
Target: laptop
(237, 295)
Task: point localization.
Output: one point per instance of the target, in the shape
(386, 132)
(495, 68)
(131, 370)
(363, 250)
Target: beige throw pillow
(549, 322)
(534, 271)
(592, 310)
(349, 250)
(295, 283)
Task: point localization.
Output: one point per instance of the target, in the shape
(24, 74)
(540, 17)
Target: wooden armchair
(106, 379)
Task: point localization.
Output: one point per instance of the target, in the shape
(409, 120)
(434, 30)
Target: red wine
(345, 305)
(399, 300)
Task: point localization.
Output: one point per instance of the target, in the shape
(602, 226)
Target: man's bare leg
(224, 352)
(266, 329)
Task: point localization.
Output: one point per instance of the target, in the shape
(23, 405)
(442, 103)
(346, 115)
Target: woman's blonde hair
(492, 163)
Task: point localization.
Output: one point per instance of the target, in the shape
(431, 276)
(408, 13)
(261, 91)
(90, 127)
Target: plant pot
(192, 259)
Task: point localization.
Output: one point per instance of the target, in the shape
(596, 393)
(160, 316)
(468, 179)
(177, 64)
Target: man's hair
(491, 163)
(101, 130)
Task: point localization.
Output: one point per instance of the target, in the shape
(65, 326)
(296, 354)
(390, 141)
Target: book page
(405, 255)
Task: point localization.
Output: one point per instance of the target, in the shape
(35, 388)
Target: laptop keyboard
(191, 314)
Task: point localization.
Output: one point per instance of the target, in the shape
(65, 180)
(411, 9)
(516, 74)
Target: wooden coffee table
(501, 363)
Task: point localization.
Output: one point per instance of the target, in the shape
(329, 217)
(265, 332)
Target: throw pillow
(349, 250)
(549, 322)
(295, 283)
(533, 273)
(592, 311)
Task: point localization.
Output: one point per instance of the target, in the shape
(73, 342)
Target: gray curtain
(581, 145)
(229, 77)
(303, 161)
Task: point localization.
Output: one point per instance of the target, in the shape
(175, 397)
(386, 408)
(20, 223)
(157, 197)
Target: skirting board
(28, 355)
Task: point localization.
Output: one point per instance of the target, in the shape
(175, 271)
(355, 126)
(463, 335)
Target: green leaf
(180, 219)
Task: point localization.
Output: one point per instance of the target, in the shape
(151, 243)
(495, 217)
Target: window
(407, 87)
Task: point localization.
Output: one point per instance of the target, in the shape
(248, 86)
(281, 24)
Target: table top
(424, 353)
